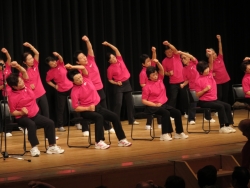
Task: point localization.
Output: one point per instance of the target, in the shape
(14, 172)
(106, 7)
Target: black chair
(72, 119)
(239, 96)
(138, 106)
(8, 121)
(198, 109)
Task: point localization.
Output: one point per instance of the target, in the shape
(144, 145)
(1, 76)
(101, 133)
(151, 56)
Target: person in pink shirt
(31, 64)
(23, 106)
(118, 75)
(93, 73)
(154, 97)
(173, 69)
(86, 101)
(245, 66)
(143, 79)
(206, 90)
(220, 74)
(5, 71)
(58, 74)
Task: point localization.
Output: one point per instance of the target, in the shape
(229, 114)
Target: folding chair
(8, 120)
(198, 109)
(239, 96)
(137, 98)
(73, 120)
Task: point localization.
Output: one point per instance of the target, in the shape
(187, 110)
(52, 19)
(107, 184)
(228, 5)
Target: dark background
(131, 25)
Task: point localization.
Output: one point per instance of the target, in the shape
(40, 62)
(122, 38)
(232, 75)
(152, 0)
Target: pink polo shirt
(6, 73)
(118, 71)
(173, 64)
(190, 74)
(202, 82)
(93, 72)
(58, 74)
(221, 75)
(34, 78)
(155, 91)
(23, 98)
(84, 95)
(246, 84)
(143, 79)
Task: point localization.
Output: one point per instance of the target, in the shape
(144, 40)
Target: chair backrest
(193, 93)
(5, 110)
(238, 92)
(69, 102)
(137, 98)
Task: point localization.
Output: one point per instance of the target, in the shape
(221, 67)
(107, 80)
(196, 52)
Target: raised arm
(58, 56)
(89, 45)
(187, 55)
(79, 67)
(22, 70)
(36, 53)
(210, 59)
(172, 47)
(5, 51)
(153, 49)
(220, 44)
(160, 67)
(117, 52)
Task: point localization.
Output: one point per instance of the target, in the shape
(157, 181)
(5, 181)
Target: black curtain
(131, 25)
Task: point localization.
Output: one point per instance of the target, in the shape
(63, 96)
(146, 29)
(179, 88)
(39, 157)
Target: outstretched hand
(166, 43)
(105, 43)
(218, 37)
(26, 44)
(56, 54)
(85, 38)
(13, 64)
(153, 49)
(209, 51)
(4, 50)
(68, 66)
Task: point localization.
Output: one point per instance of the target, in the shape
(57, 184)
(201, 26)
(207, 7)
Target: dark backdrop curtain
(132, 25)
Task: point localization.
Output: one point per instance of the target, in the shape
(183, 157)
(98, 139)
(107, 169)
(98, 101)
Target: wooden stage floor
(141, 153)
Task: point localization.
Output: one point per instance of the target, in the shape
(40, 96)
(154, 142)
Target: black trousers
(222, 92)
(150, 119)
(165, 111)
(223, 109)
(36, 122)
(42, 102)
(98, 117)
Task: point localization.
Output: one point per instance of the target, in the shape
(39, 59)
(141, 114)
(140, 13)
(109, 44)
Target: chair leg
(132, 129)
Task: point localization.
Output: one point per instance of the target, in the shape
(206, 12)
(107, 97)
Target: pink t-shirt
(246, 84)
(173, 64)
(143, 79)
(93, 72)
(118, 71)
(221, 75)
(191, 74)
(58, 74)
(23, 98)
(84, 95)
(202, 82)
(34, 78)
(6, 72)
(155, 91)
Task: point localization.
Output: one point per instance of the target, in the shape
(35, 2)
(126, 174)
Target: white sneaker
(224, 130)
(159, 126)
(124, 143)
(85, 133)
(78, 126)
(185, 116)
(61, 129)
(111, 131)
(55, 138)
(180, 136)
(191, 122)
(21, 129)
(8, 134)
(101, 145)
(35, 152)
(165, 137)
(54, 150)
(148, 127)
(216, 113)
(172, 119)
(136, 123)
(231, 129)
(211, 120)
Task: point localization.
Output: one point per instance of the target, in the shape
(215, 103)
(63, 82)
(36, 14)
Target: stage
(116, 166)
